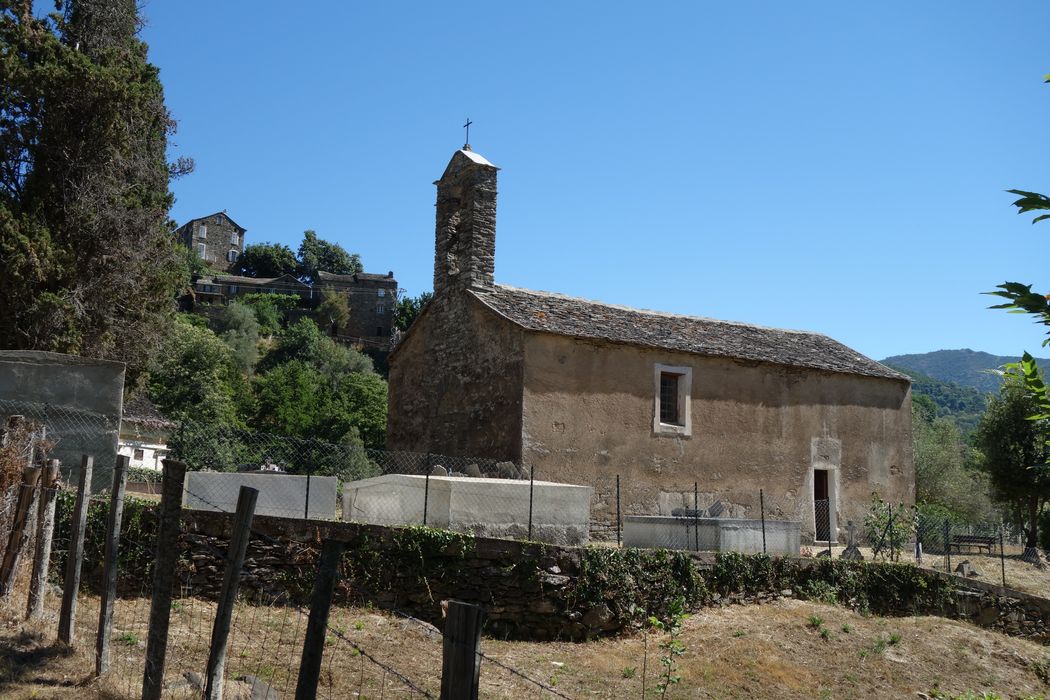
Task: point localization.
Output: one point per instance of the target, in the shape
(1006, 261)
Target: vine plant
(673, 647)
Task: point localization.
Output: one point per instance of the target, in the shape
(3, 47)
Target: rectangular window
(233, 289)
(669, 398)
(218, 220)
(379, 330)
(202, 250)
(381, 293)
(380, 309)
(138, 455)
(232, 256)
(672, 400)
(233, 238)
(202, 231)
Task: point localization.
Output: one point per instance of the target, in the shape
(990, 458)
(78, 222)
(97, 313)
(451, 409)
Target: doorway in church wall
(822, 504)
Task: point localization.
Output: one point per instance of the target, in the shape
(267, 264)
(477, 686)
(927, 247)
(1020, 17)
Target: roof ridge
(652, 312)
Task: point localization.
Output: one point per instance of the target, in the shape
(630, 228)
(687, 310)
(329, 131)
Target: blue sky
(837, 167)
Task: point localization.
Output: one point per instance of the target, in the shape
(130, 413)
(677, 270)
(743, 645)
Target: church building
(584, 391)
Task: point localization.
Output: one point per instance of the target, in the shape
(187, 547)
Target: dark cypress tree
(89, 262)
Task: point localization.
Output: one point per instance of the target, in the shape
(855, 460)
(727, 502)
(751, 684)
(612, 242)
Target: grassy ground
(788, 649)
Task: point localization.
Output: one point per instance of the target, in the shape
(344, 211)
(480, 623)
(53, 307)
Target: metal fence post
(460, 662)
(75, 555)
(828, 505)
(306, 502)
(1002, 554)
(109, 567)
(45, 529)
(167, 557)
(762, 511)
(947, 547)
(220, 633)
(696, 517)
(426, 497)
(618, 520)
(317, 623)
(532, 483)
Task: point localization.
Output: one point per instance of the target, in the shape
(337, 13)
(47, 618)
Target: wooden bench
(978, 541)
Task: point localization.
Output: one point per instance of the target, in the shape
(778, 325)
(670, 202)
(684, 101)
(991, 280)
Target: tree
(944, 475)
(239, 329)
(267, 260)
(304, 341)
(194, 376)
(334, 311)
(408, 308)
(1014, 456)
(316, 254)
(269, 309)
(88, 263)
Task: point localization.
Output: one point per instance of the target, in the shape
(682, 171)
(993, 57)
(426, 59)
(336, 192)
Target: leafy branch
(672, 646)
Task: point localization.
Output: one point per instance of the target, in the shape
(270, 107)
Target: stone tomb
(480, 506)
(711, 534)
(281, 495)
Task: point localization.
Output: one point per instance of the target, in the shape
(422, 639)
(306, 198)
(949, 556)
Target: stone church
(582, 391)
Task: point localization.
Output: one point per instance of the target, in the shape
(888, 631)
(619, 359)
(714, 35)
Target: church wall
(589, 415)
(456, 382)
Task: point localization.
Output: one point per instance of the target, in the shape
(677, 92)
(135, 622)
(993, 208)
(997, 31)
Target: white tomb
(782, 537)
(480, 506)
(281, 495)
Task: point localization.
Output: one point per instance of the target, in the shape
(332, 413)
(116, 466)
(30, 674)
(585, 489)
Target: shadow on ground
(24, 658)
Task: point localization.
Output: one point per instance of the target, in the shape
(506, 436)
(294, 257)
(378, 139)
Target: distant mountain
(962, 404)
(967, 368)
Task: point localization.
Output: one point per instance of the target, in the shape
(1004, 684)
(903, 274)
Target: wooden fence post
(460, 663)
(109, 567)
(75, 556)
(45, 529)
(317, 624)
(17, 540)
(220, 632)
(163, 578)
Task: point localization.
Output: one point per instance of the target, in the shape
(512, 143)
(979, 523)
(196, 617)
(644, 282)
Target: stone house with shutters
(371, 298)
(584, 391)
(218, 239)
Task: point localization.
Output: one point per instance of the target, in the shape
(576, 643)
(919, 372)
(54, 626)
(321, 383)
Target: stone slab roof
(333, 277)
(580, 318)
(141, 410)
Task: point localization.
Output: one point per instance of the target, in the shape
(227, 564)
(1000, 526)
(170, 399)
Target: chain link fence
(70, 433)
(340, 481)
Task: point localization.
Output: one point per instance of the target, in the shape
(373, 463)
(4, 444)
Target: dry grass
(767, 651)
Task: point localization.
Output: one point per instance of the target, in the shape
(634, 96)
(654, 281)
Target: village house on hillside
(583, 391)
(218, 239)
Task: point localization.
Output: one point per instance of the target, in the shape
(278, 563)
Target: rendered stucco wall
(588, 416)
(79, 399)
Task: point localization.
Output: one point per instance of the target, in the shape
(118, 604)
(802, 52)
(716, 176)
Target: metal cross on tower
(467, 127)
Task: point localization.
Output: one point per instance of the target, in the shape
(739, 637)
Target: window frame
(202, 251)
(685, 394)
(202, 230)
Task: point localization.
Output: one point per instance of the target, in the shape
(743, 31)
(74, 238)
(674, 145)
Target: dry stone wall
(540, 592)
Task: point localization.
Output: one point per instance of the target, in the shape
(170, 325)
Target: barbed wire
(335, 632)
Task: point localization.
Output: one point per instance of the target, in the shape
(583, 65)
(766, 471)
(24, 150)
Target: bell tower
(465, 231)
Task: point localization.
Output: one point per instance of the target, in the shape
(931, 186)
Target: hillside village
(235, 464)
